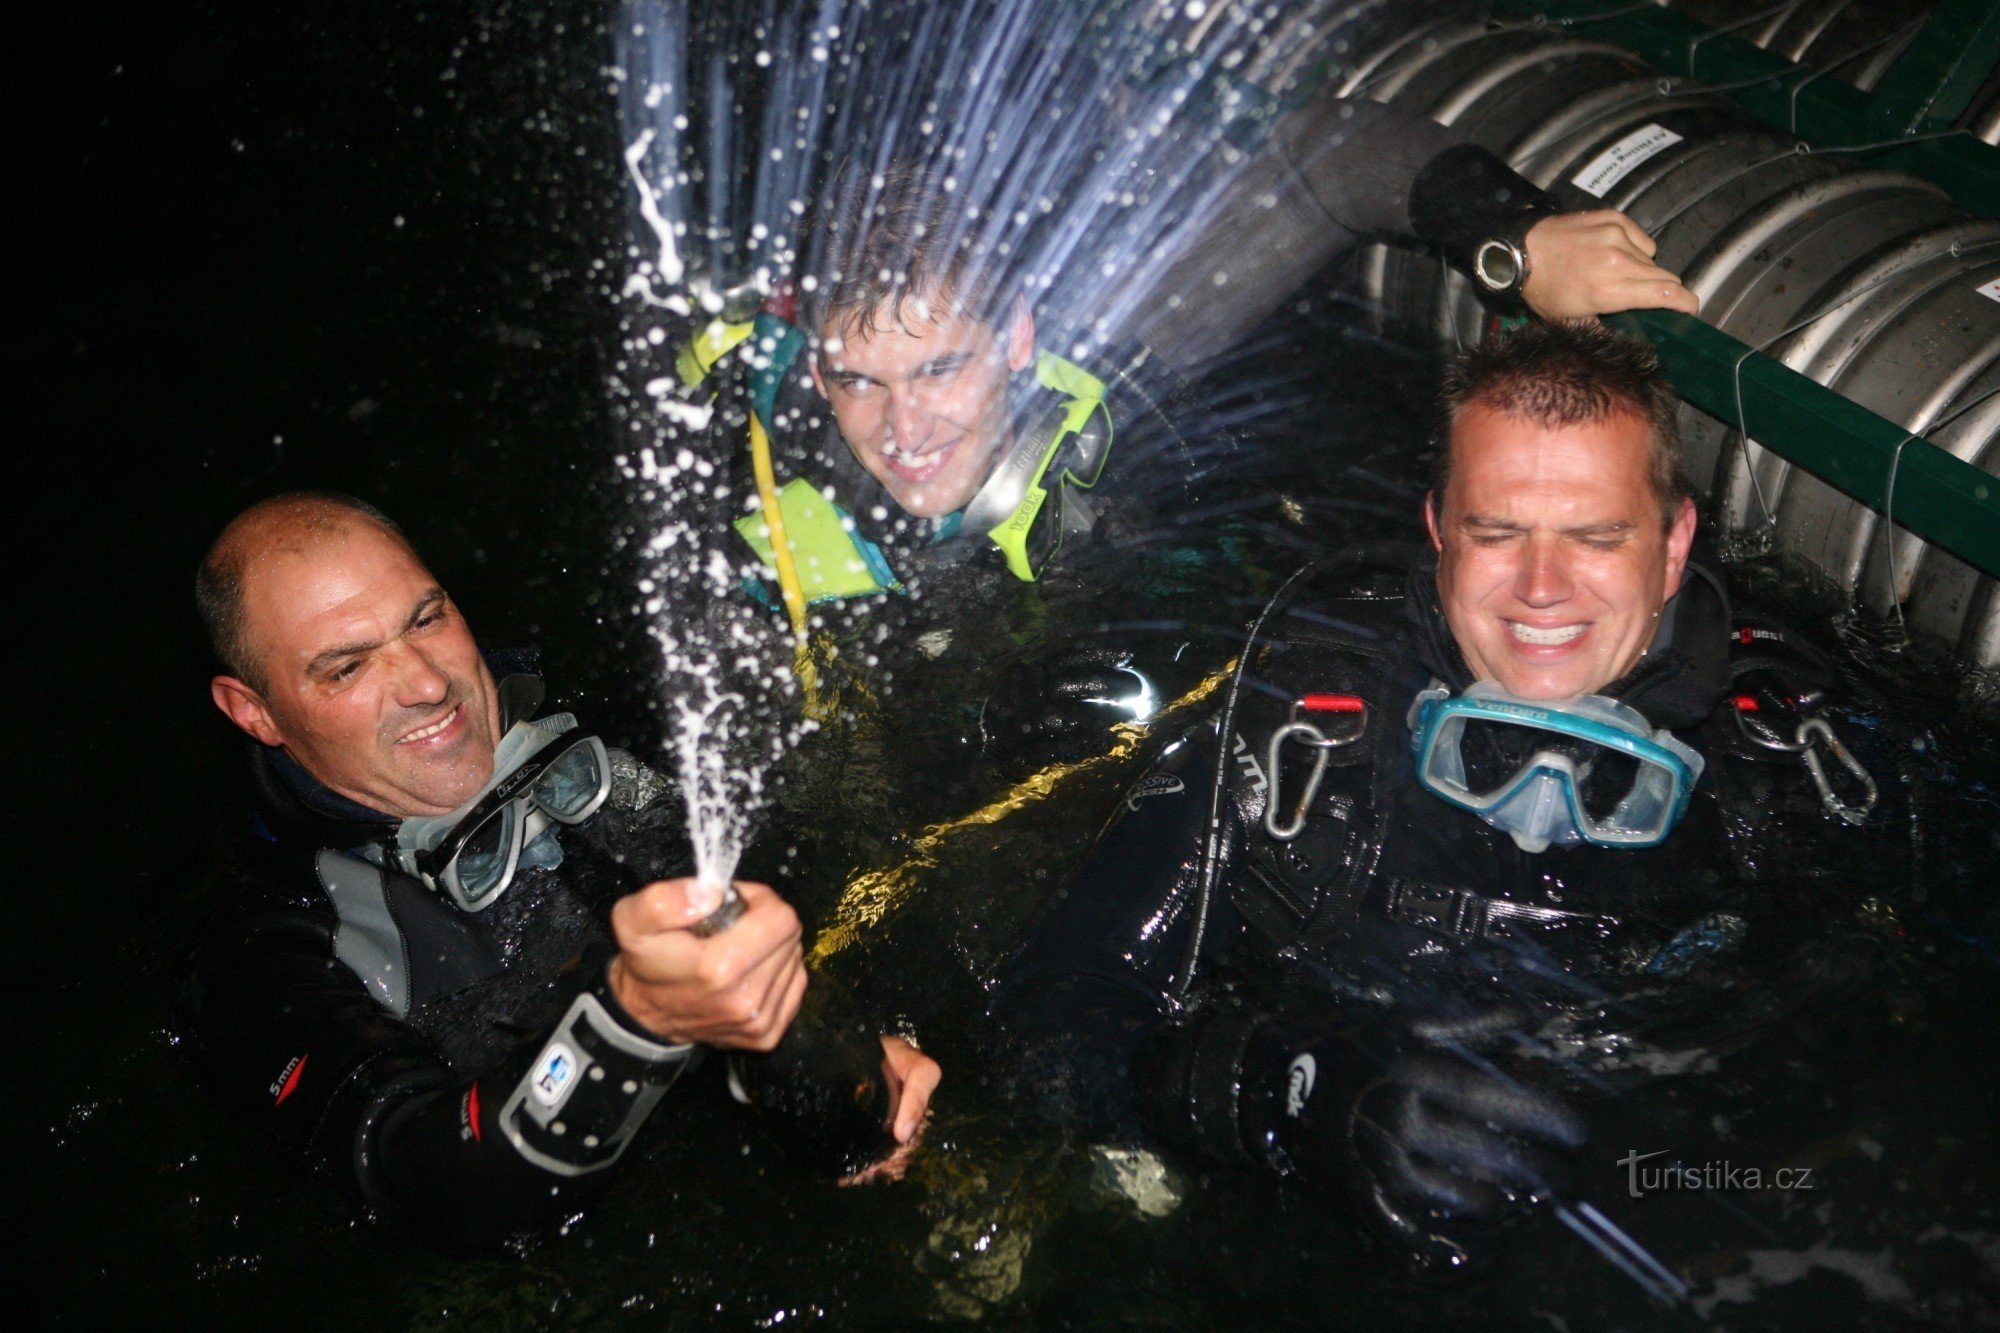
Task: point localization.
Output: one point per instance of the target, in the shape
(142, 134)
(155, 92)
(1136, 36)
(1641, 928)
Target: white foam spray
(729, 691)
(1086, 167)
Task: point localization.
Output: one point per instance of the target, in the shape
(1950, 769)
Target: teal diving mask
(1584, 770)
(545, 773)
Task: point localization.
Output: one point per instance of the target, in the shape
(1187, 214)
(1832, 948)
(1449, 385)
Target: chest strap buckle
(1813, 735)
(1465, 916)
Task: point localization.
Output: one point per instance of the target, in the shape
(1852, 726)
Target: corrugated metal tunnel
(1870, 281)
(1854, 41)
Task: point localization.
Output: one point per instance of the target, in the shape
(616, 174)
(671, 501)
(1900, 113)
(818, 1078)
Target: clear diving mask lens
(544, 773)
(1585, 770)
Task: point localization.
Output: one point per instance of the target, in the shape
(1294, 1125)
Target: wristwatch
(1501, 262)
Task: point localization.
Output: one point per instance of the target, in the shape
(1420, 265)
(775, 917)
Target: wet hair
(219, 583)
(880, 242)
(1561, 373)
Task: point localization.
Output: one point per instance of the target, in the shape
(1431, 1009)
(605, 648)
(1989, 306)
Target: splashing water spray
(836, 90)
(725, 692)
(723, 686)
(1091, 147)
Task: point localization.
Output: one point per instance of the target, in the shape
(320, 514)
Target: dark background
(267, 247)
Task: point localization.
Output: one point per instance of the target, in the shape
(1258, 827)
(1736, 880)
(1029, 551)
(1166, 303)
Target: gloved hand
(1431, 1143)
(1060, 710)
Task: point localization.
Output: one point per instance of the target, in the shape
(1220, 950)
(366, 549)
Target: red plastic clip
(1333, 703)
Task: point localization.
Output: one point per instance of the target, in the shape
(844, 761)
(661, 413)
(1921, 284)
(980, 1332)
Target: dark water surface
(351, 248)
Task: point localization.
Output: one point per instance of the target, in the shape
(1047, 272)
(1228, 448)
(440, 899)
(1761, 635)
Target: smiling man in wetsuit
(957, 431)
(1449, 809)
(413, 987)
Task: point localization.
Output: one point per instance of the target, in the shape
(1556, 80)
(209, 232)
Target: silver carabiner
(1773, 741)
(1809, 731)
(1315, 738)
(1324, 746)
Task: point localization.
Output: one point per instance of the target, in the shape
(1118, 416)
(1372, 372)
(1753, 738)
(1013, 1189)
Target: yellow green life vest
(833, 559)
(1021, 505)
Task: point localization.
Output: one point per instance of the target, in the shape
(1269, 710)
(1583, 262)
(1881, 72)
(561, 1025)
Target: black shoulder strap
(1307, 889)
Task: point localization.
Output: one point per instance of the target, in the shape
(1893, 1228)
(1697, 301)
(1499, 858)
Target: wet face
(372, 680)
(1553, 564)
(922, 402)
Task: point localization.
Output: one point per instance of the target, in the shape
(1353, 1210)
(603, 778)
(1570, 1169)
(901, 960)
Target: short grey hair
(219, 583)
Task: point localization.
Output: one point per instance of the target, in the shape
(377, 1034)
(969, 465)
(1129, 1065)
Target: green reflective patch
(699, 354)
(828, 553)
(1067, 378)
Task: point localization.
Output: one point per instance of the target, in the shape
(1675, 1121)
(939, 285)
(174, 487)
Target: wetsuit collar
(316, 795)
(1685, 673)
(1436, 648)
(290, 805)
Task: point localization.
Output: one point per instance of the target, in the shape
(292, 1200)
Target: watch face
(1497, 266)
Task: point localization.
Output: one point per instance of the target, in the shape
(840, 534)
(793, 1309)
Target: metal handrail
(1929, 491)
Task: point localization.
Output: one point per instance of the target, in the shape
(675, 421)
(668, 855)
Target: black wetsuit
(1392, 905)
(376, 1032)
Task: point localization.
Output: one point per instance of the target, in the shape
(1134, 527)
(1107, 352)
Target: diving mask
(1584, 770)
(1031, 498)
(545, 773)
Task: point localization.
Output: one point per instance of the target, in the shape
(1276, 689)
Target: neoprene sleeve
(1332, 173)
(291, 1040)
(1087, 1000)
(1465, 196)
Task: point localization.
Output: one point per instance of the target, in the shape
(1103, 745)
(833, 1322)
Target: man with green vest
(959, 433)
(951, 430)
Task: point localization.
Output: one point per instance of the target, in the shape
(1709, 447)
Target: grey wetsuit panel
(368, 940)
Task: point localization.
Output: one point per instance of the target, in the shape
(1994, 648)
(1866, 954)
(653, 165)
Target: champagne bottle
(822, 1086)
